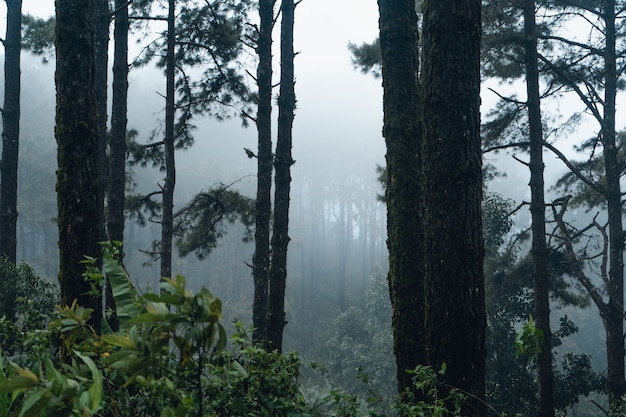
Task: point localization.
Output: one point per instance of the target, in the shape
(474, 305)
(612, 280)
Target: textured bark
(539, 249)
(119, 119)
(167, 220)
(263, 205)
(450, 98)
(398, 42)
(282, 164)
(614, 319)
(101, 47)
(10, 133)
(78, 176)
(117, 146)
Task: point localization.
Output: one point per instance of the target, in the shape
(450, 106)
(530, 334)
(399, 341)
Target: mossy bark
(450, 97)
(399, 47)
(78, 174)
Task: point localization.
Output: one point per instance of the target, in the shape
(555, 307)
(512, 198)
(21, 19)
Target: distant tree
(199, 35)
(78, 174)
(399, 51)
(10, 136)
(450, 101)
(263, 204)
(282, 165)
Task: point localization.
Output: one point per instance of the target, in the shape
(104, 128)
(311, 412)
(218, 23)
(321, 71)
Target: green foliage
(366, 57)
(203, 221)
(26, 304)
(529, 340)
(38, 36)
(360, 350)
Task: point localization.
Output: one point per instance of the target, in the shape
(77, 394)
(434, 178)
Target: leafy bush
(169, 359)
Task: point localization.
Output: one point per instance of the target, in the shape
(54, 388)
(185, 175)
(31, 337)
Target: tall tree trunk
(78, 174)
(539, 249)
(282, 164)
(167, 220)
(10, 133)
(263, 205)
(119, 119)
(450, 98)
(101, 47)
(117, 146)
(614, 320)
(399, 47)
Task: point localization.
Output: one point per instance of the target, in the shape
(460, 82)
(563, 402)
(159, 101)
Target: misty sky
(339, 117)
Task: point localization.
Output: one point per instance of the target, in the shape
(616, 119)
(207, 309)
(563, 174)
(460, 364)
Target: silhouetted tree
(453, 256)
(399, 49)
(282, 164)
(10, 139)
(78, 174)
(263, 205)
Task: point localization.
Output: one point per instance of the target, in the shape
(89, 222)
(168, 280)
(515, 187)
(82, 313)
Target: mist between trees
(561, 133)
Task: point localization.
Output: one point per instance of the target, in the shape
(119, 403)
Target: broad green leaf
(95, 391)
(35, 402)
(124, 293)
(119, 341)
(17, 382)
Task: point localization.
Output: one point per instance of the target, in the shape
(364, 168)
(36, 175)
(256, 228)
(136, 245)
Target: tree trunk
(539, 249)
(263, 205)
(10, 133)
(119, 119)
(78, 174)
(615, 314)
(282, 164)
(167, 220)
(117, 146)
(399, 47)
(450, 98)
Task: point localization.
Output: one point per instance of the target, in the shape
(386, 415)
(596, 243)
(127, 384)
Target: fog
(337, 224)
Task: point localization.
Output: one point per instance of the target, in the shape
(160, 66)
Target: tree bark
(399, 47)
(10, 133)
(117, 146)
(263, 205)
(282, 164)
(167, 220)
(450, 97)
(539, 249)
(614, 320)
(119, 121)
(78, 174)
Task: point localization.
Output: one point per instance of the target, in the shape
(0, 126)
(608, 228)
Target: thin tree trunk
(167, 220)
(10, 133)
(615, 314)
(78, 174)
(117, 145)
(282, 164)
(399, 47)
(450, 98)
(119, 121)
(539, 249)
(263, 205)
